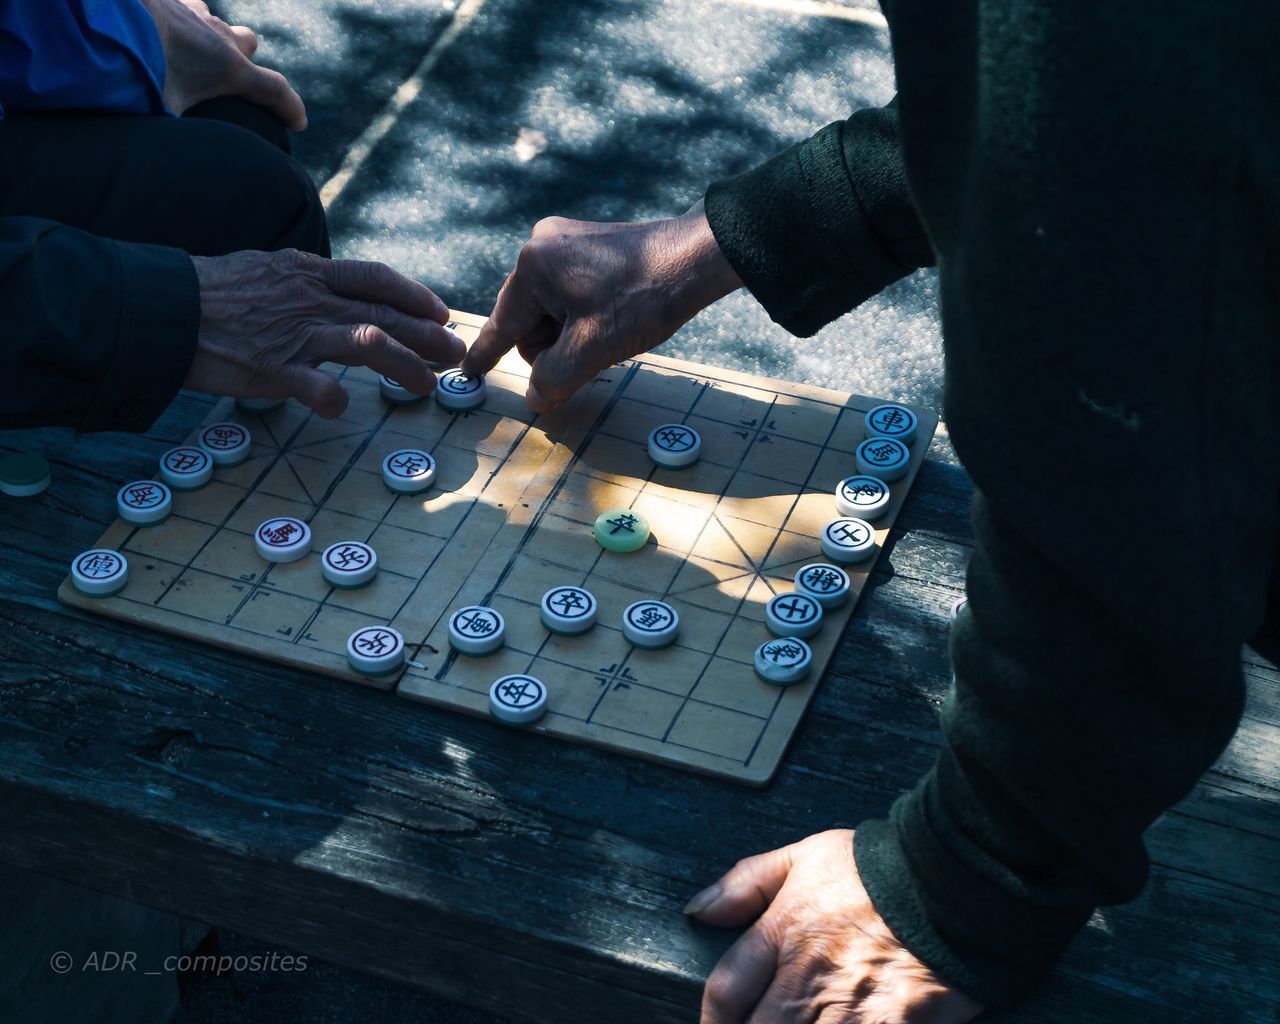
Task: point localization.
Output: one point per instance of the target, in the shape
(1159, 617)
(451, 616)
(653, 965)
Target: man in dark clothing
(1097, 185)
(130, 238)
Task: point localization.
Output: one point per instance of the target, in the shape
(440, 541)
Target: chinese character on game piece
(567, 601)
(822, 579)
(782, 650)
(281, 533)
(625, 522)
(375, 642)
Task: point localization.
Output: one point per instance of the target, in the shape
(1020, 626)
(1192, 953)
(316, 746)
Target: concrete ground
(440, 131)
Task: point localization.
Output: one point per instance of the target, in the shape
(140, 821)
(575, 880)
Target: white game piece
(227, 443)
(144, 502)
(958, 607)
(518, 699)
(848, 540)
(794, 614)
(375, 650)
(283, 539)
(882, 457)
(409, 470)
(476, 630)
(458, 392)
(674, 446)
(783, 661)
(864, 497)
(259, 404)
(394, 391)
(185, 468)
(650, 623)
(568, 610)
(100, 572)
(895, 421)
(827, 584)
(349, 563)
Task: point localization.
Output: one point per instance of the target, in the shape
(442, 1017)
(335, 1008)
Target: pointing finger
(516, 312)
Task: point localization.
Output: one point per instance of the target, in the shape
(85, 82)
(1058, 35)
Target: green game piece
(622, 529)
(24, 474)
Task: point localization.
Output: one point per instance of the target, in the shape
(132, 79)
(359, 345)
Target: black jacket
(1097, 184)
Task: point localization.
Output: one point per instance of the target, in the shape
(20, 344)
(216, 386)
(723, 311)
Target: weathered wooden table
(539, 879)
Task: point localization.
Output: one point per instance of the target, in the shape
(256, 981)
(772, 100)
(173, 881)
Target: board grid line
(746, 450)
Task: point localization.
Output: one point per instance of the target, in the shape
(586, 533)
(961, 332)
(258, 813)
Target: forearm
(688, 254)
(824, 225)
(1070, 729)
(99, 334)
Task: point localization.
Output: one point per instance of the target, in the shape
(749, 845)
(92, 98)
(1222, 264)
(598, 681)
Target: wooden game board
(510, 516)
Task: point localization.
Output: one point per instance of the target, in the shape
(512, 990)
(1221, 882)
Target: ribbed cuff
(155, 338)
(956, 920)
(800, 235)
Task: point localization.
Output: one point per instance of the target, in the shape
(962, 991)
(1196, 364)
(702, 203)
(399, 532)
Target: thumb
(562, 368)
(272, 90)
(744, 892)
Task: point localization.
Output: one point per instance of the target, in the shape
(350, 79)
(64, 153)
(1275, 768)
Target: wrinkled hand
(818, 953)
(268, 319)
(206, 58)
(584, 296)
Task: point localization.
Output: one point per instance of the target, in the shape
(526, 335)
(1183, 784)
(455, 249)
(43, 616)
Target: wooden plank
(541, 880)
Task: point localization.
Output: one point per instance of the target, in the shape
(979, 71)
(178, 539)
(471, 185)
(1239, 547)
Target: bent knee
(255, 195)
(289, 201)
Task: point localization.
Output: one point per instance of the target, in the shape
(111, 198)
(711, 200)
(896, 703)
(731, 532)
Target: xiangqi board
(508, 517)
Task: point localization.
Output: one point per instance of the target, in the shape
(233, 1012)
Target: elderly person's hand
(584, 296)
(207, 58)
(818, 952)
(269, 319)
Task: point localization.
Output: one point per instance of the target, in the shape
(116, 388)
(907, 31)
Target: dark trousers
(215, 181)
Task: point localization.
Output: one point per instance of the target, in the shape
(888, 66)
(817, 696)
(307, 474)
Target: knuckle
(299, 292)
(532, 253)
(367, 338)
(550, 226)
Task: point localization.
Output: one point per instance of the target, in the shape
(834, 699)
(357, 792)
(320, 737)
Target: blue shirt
(80, 55)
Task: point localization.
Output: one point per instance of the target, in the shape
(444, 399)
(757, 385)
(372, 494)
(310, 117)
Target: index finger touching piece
(517, 312)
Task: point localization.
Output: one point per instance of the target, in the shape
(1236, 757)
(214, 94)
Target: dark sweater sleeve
(1071, 727)
(823, 225)
(98, 335)
(1104, 213)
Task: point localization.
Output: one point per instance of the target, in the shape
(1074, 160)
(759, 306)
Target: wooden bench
(539, 879)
